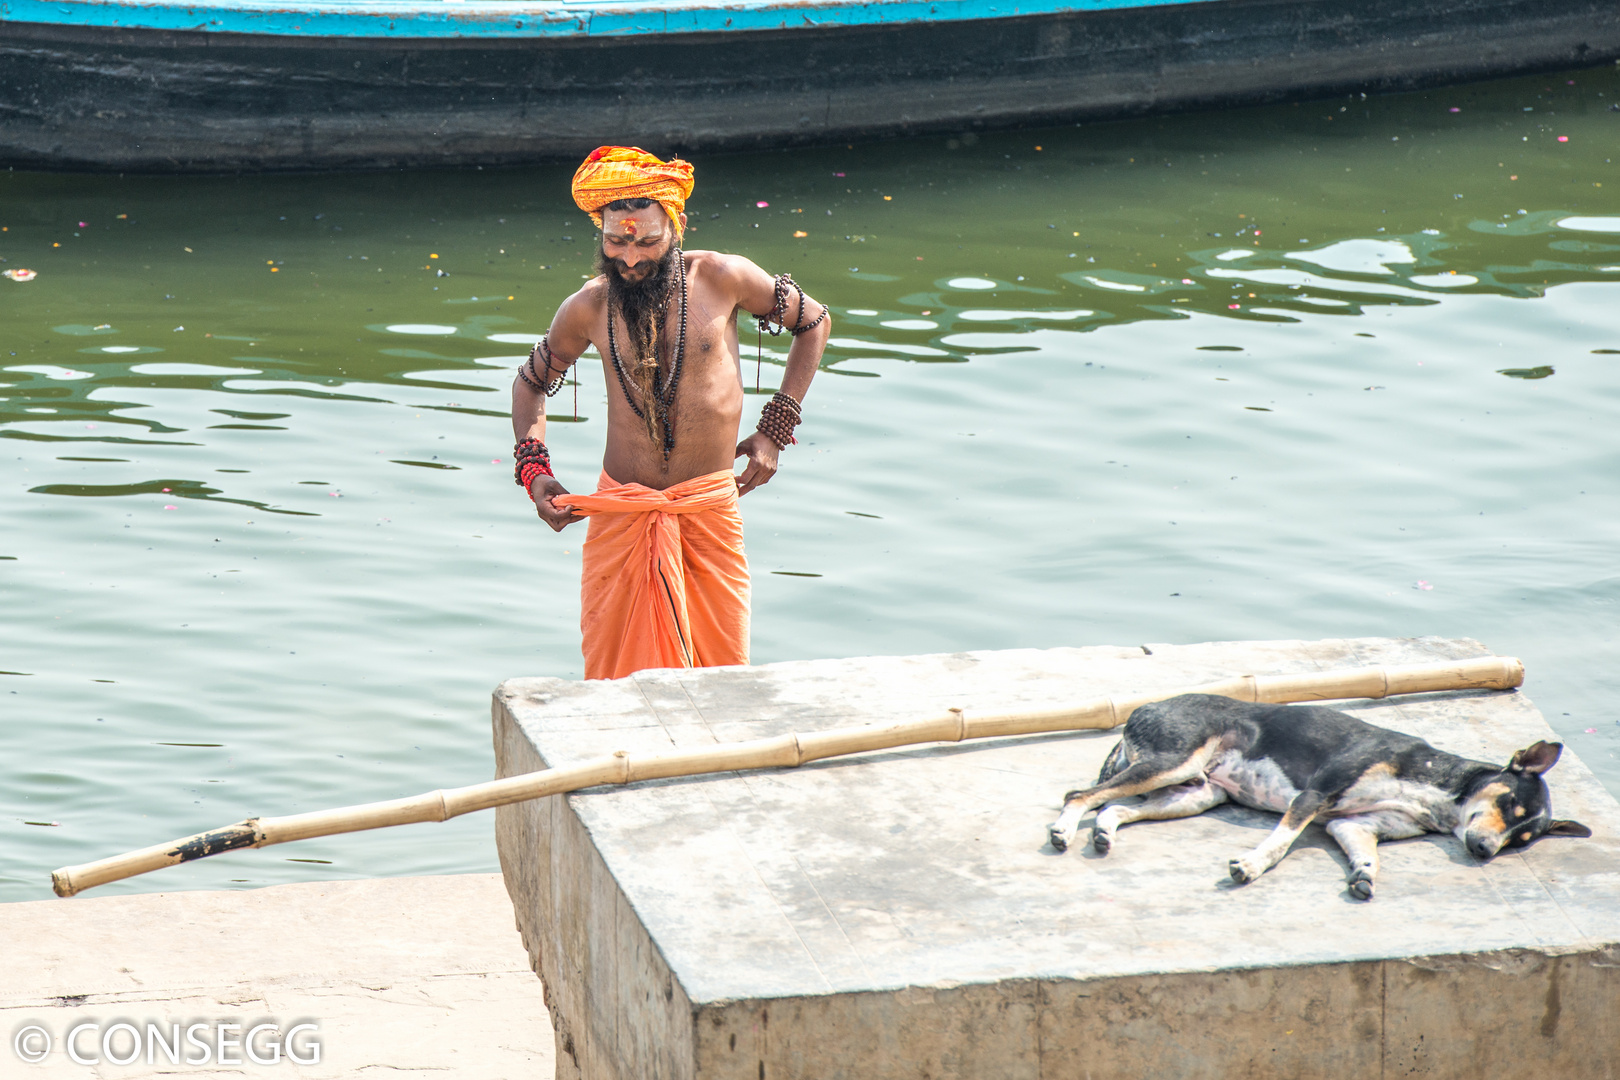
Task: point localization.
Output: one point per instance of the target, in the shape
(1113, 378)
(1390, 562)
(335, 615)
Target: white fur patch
(1383, 798)
(1385, 824)
(1259, 784)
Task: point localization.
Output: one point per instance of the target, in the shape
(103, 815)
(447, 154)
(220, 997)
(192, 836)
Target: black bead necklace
(663, 392)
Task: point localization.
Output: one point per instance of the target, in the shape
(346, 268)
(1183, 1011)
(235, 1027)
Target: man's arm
(756, 294)
(568, 338)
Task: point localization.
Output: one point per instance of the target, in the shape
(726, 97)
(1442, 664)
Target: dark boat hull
(100, 98)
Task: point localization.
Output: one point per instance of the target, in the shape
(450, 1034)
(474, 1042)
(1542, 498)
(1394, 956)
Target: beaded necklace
(663, 392)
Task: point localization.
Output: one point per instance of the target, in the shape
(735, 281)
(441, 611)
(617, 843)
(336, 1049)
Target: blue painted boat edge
(483, 19)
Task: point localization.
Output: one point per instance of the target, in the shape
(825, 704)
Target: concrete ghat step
(406, 977)
(899, 914)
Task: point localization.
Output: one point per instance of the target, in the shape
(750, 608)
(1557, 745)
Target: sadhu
(664, 578)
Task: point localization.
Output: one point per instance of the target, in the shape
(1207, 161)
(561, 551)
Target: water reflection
(1014, 315)
(178, 489)
(1247, 374)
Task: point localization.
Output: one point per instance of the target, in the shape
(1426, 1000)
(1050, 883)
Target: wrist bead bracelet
(530, 459)
(778, 419)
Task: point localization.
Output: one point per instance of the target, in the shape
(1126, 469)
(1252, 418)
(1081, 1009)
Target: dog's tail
(1116, 762)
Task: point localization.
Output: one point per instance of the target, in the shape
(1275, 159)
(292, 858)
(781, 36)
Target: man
(664, 581)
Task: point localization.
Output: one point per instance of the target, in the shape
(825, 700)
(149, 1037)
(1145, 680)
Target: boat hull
(133, 99)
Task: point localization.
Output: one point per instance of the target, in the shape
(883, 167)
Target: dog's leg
(1306, 805)
(1360, 844)
(1061, 831)
(1137, 778)
(1183, 800)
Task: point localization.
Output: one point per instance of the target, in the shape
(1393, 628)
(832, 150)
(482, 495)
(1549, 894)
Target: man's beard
(642, 303)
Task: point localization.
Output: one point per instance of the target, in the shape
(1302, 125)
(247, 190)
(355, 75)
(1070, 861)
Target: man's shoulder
(593, 290)
(719, 266)
(588, 298)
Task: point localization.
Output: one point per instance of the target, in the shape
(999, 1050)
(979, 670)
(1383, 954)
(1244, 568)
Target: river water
(1335, 368)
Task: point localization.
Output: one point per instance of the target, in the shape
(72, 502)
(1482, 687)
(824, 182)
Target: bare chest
(674, 403)
(694, 329)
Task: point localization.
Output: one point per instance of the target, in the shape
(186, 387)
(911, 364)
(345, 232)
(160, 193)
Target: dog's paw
(1361, 885)
(1059, 839)
(1102, 842)
(1242, 872)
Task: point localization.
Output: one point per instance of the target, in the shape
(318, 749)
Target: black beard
(642, 304)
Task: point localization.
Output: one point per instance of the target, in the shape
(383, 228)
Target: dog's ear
(1567, 828)
(1537, 758)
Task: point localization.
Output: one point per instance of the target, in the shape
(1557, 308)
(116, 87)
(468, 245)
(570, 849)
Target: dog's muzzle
(1482, 846)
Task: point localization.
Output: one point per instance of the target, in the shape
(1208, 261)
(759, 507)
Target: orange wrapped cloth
(612, 173)
(664, 582)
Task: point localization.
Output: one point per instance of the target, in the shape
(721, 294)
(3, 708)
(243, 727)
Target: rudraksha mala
(663, 402)
(530, 459)
(547, 384)
(778, 315)
(778, 419)
(778, 312)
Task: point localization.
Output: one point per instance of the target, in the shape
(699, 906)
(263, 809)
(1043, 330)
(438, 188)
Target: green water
(1303, 371)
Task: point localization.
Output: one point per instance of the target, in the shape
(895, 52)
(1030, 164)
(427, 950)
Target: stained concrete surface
(405, 977)
(899, 914)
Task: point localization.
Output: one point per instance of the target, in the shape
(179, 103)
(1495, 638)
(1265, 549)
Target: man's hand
(542, 491)
(761, 454)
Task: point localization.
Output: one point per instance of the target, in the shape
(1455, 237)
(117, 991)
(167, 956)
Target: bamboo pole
(783, 751)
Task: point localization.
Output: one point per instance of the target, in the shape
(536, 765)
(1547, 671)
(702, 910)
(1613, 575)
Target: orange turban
(612, 173)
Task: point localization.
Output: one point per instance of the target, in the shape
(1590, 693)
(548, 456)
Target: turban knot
(612, 173)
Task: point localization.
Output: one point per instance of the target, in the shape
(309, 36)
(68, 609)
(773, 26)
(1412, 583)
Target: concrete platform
(901, 915)
(405, 977)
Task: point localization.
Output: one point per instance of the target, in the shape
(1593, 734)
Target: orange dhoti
(664, 582)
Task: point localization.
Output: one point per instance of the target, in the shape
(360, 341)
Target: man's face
(633, 241)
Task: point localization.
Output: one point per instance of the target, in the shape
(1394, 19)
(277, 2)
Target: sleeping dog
(1310, 763)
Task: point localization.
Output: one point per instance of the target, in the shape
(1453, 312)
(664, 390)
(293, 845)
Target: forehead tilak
(631, 230)
(632, 226)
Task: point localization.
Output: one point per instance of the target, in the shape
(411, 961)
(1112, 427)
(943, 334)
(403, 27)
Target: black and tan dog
(1311, 763)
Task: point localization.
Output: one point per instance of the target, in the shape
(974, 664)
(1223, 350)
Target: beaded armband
(778, 419)
(530, 459)
(778, 312)
(547, 384)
